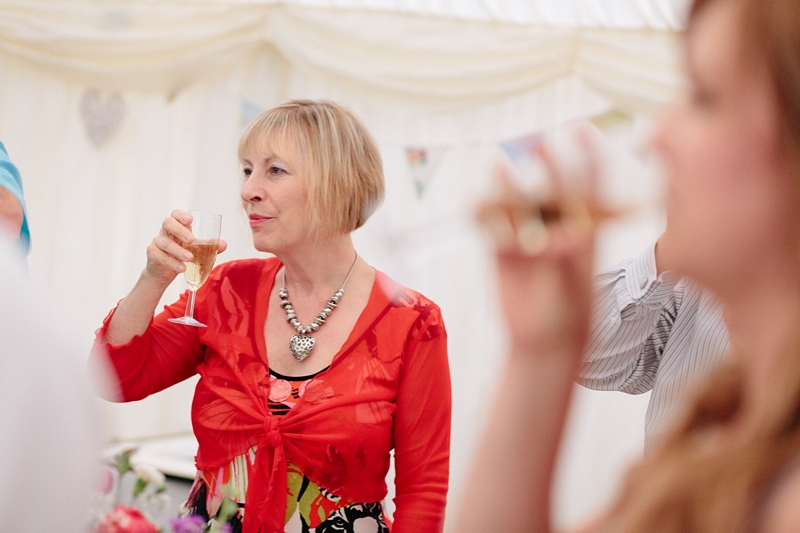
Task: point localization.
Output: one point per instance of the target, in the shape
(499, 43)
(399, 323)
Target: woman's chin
(262, 246)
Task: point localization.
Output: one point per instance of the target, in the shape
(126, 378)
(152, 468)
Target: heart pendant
(301, 346)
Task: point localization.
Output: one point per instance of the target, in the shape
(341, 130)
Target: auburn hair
(714, 471)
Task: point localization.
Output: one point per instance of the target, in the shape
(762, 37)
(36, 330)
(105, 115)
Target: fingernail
(187, 256)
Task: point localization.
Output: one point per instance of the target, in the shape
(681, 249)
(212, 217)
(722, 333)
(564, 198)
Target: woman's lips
(256, 220)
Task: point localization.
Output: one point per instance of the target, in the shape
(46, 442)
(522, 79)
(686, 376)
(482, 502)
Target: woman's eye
(275, 170)
(247, 172)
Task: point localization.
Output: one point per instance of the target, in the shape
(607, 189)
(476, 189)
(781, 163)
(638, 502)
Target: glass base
(187, 321)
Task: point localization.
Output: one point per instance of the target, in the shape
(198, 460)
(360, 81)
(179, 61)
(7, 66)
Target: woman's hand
(544, 266)
(165, 255)
(165, 258)
(544, 261)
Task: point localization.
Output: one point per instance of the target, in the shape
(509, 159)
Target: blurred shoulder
(401, 296)
(426, 313)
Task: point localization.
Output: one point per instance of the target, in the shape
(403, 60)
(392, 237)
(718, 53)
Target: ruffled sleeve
(165, 354)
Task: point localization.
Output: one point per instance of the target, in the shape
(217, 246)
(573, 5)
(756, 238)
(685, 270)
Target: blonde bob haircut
(342, 164)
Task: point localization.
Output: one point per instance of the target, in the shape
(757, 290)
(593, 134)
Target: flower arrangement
(133, 499)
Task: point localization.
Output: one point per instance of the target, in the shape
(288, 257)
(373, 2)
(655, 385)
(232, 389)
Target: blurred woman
(13, 217)
(314, 365)
(732, 153)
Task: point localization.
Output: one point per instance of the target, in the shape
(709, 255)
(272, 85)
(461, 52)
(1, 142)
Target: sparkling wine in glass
(205, 228)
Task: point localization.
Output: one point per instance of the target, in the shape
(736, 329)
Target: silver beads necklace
(302, 343)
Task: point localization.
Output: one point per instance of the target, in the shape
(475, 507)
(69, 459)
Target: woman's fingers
(554, 175)
(178, 226)
(173, 234)
(591, 172)
(504, 181)
(577, 196)
(169, 247)
(162, 260)
(184, 217)
(559, 225)
(165, 255)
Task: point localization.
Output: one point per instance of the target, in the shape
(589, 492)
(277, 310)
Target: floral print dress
(309, 507)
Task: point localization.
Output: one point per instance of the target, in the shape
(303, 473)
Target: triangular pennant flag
(423, 164)
(522, 150)
(249, 111)
(522, 153)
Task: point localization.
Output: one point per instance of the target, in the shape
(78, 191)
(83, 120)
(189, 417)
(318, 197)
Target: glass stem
(190, 303)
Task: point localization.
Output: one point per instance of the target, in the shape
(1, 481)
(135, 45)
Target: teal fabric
(11, 180)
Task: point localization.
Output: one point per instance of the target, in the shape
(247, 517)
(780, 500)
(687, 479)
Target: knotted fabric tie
(266, 490)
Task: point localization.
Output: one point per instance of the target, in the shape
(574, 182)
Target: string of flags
(422, 166)
(102, 115)
(423, 162)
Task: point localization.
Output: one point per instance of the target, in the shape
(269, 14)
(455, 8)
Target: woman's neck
(762, 316)
(318, 266)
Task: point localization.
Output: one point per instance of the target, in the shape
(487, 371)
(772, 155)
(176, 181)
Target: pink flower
(187, 524)
(106, 480)
(124, 519)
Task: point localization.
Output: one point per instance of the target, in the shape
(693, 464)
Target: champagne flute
(521, 222)
(205, 228)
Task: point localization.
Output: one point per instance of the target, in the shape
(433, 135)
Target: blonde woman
(732, 154)
(314, 366)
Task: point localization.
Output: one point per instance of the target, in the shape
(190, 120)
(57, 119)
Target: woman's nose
(251, 192)
(661, 138)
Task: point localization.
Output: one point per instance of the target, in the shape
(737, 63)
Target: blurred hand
(544, 254)
(165, 256)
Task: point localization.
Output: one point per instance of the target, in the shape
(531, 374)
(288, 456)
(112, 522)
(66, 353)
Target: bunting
(423, 164)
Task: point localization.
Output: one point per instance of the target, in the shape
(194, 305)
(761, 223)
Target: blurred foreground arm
(545, 292)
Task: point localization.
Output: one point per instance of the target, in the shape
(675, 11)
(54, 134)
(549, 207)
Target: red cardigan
(388, 387)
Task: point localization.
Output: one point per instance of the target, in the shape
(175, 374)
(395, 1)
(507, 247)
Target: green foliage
(139, 487)
(124, 462)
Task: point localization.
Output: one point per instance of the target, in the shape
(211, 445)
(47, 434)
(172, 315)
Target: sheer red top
(387, 388)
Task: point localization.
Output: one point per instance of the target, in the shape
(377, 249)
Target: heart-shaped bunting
(102, 115)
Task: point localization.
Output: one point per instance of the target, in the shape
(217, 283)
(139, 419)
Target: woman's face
(726, 194)
(275, 199)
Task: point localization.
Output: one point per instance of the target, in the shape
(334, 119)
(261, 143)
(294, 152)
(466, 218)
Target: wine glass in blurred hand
(205, 228)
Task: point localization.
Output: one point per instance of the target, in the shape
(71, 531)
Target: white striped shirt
(651, 332)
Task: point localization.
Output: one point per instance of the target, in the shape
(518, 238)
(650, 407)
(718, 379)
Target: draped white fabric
(118, 112)
(656, 14)
(436, 61)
